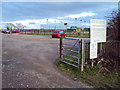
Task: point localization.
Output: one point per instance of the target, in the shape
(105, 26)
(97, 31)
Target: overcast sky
(35, 14)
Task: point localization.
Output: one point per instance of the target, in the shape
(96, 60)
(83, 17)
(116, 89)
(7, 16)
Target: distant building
(72, 28)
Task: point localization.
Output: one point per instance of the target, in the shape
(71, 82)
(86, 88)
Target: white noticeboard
(97, 34)
(97, 30)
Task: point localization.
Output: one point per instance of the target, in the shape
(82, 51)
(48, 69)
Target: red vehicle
(15, 31)
(58, 34)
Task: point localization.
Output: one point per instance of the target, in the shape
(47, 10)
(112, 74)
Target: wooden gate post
(92, 63)
(61, 49)
(100, 50)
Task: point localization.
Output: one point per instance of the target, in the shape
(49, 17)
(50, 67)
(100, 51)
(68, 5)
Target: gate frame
(81, 42)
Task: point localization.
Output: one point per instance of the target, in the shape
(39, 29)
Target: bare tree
(20, 26)
(10, 26)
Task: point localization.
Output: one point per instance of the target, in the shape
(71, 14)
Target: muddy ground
(27, 61)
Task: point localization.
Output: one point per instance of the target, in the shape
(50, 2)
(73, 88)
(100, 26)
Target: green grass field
(85, 35)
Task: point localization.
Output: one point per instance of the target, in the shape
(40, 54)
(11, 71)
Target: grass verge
(91, 76)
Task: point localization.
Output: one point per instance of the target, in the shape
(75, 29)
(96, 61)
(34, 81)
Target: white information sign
(97, 34)
(97, 30)
(93, 50)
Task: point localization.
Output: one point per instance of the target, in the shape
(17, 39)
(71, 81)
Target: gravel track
(27, 62)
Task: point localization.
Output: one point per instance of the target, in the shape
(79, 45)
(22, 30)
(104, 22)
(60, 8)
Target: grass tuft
(92, 76)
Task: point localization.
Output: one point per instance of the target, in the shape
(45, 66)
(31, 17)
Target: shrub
(111, 48)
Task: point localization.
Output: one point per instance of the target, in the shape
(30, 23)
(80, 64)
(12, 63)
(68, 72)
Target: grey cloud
(37, 10)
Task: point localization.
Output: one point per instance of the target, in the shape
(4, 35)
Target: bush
(111, 48)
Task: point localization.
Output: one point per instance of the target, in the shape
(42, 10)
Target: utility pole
(39, 29)
(55, 24)
(76, 22)
(61, 24)
(47, 23)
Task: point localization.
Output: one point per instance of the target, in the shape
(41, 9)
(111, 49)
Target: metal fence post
(83, 54)
(61, 49)
(34, 31)
(79, 53)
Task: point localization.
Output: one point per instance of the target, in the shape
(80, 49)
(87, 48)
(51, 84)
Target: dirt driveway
(28, 62)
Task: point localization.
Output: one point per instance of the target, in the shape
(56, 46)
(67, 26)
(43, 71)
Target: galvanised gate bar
(77, 60)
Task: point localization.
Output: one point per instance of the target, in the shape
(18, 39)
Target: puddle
(3, 66)
(5, 53)
(8, 60)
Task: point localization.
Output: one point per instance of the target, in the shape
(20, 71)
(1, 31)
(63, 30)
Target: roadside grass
(92, 76)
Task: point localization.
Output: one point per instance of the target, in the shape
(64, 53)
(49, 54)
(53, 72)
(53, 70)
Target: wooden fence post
(92, 63)
(61, 49)
(100, 50)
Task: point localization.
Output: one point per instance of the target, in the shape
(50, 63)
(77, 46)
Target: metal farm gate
(74, 54)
